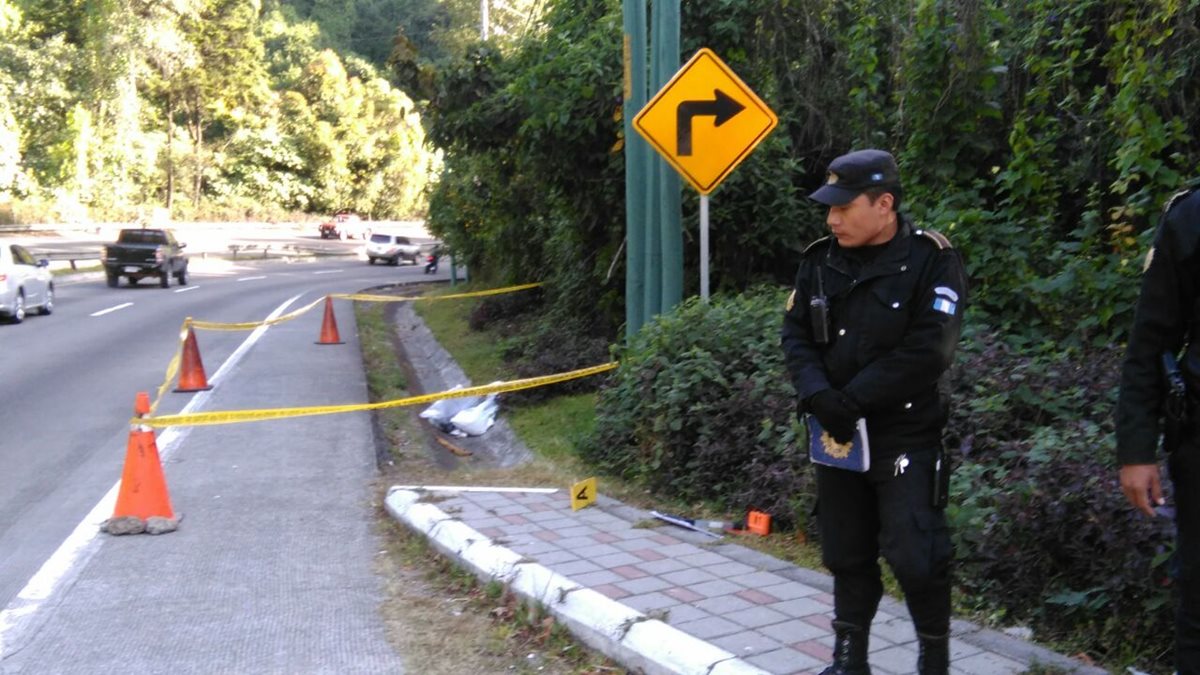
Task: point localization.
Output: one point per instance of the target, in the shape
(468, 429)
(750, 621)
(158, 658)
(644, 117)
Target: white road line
(112, 309)
(251, 278)
(185, 290)
(328, 272)
(64, 565)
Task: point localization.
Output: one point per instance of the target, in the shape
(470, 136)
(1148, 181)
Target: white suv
(392, 248)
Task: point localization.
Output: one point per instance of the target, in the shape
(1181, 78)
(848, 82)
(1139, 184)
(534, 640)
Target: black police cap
(853, 173)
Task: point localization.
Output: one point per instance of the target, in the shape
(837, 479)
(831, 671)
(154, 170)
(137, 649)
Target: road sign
(705, 121)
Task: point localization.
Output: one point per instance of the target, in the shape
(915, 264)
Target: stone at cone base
(124, 525)
(160, 525)
(134, 525)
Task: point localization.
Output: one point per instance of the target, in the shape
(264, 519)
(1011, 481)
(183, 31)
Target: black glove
(836, 412)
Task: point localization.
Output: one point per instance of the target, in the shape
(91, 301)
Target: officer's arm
(927, 348)
(801, 354)
(1158, 326)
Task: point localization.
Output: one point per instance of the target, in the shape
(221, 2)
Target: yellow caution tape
(172, 371)
(173, 366)
(452, 296)
(251, 325)
(362, 297)
(235, 416)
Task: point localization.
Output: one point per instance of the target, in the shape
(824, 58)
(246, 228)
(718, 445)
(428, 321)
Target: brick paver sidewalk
(769, 613)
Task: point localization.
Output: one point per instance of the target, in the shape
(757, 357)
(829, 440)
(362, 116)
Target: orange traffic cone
(191, 369)
(329, 331)
(143, 493)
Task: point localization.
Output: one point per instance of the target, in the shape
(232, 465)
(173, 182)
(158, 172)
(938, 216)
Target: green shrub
(1043, 535)
(701, 409)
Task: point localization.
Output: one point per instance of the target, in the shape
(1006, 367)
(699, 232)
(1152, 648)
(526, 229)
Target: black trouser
(863, 515)
(1184, 465)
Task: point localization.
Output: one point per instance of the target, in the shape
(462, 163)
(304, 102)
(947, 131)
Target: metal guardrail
(266, 250)
(259, 250)
(73, 257)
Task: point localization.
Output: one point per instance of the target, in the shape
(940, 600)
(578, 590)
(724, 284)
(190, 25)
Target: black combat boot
(850, 651)
(935, 655)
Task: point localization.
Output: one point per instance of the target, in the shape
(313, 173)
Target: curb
(629, 637)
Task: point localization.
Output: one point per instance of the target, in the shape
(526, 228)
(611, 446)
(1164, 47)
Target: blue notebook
(852, 456)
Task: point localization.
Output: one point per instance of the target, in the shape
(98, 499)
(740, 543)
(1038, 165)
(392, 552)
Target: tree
(228, 78)
(11, 173)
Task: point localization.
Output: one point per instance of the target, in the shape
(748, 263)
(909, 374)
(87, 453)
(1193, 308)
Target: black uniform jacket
(893, 329)
(1166, 319)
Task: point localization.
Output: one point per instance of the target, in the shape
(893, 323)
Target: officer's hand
(1142, 487)
(836, 412)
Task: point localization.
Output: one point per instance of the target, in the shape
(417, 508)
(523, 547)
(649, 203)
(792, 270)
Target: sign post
(704, 122)
(704, 247)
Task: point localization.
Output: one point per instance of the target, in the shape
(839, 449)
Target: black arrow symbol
(722, 107)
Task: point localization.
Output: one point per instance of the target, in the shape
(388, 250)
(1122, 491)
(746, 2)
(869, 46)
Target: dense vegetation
(1042, 137)
(209, 108)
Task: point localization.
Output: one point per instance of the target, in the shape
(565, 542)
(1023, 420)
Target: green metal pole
(670, 209)
(637, 155)
(652, 297)
(654, 165)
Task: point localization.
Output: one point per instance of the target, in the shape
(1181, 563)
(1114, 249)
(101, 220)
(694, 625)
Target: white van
(391, 248)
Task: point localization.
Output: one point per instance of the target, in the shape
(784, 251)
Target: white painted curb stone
(619, 632)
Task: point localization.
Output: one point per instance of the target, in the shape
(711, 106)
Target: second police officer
(1156, 385)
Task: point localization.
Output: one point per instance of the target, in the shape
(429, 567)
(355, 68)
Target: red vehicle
(345, 225)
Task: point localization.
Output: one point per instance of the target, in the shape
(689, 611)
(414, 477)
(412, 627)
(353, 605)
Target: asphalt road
(68, 381)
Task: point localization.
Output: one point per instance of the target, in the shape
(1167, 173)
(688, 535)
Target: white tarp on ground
(467, 416)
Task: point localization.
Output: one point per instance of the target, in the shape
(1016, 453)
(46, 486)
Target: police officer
(869, 330)
(1166, 322)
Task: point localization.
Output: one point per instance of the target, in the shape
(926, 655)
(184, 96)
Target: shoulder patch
(937, 238)
(1176, 198)
(810, 247)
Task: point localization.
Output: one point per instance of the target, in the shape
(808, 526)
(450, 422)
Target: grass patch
(477, 353)
(68, 271)
(385, 377)
(552, 428)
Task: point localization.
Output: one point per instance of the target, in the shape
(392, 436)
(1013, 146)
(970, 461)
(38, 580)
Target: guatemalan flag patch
(945, 300)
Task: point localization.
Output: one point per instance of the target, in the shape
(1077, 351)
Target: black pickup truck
(145, 253)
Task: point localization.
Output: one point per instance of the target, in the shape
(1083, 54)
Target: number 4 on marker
(583, 494)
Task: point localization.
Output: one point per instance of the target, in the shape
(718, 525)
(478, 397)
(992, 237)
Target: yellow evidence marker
(583, 494)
